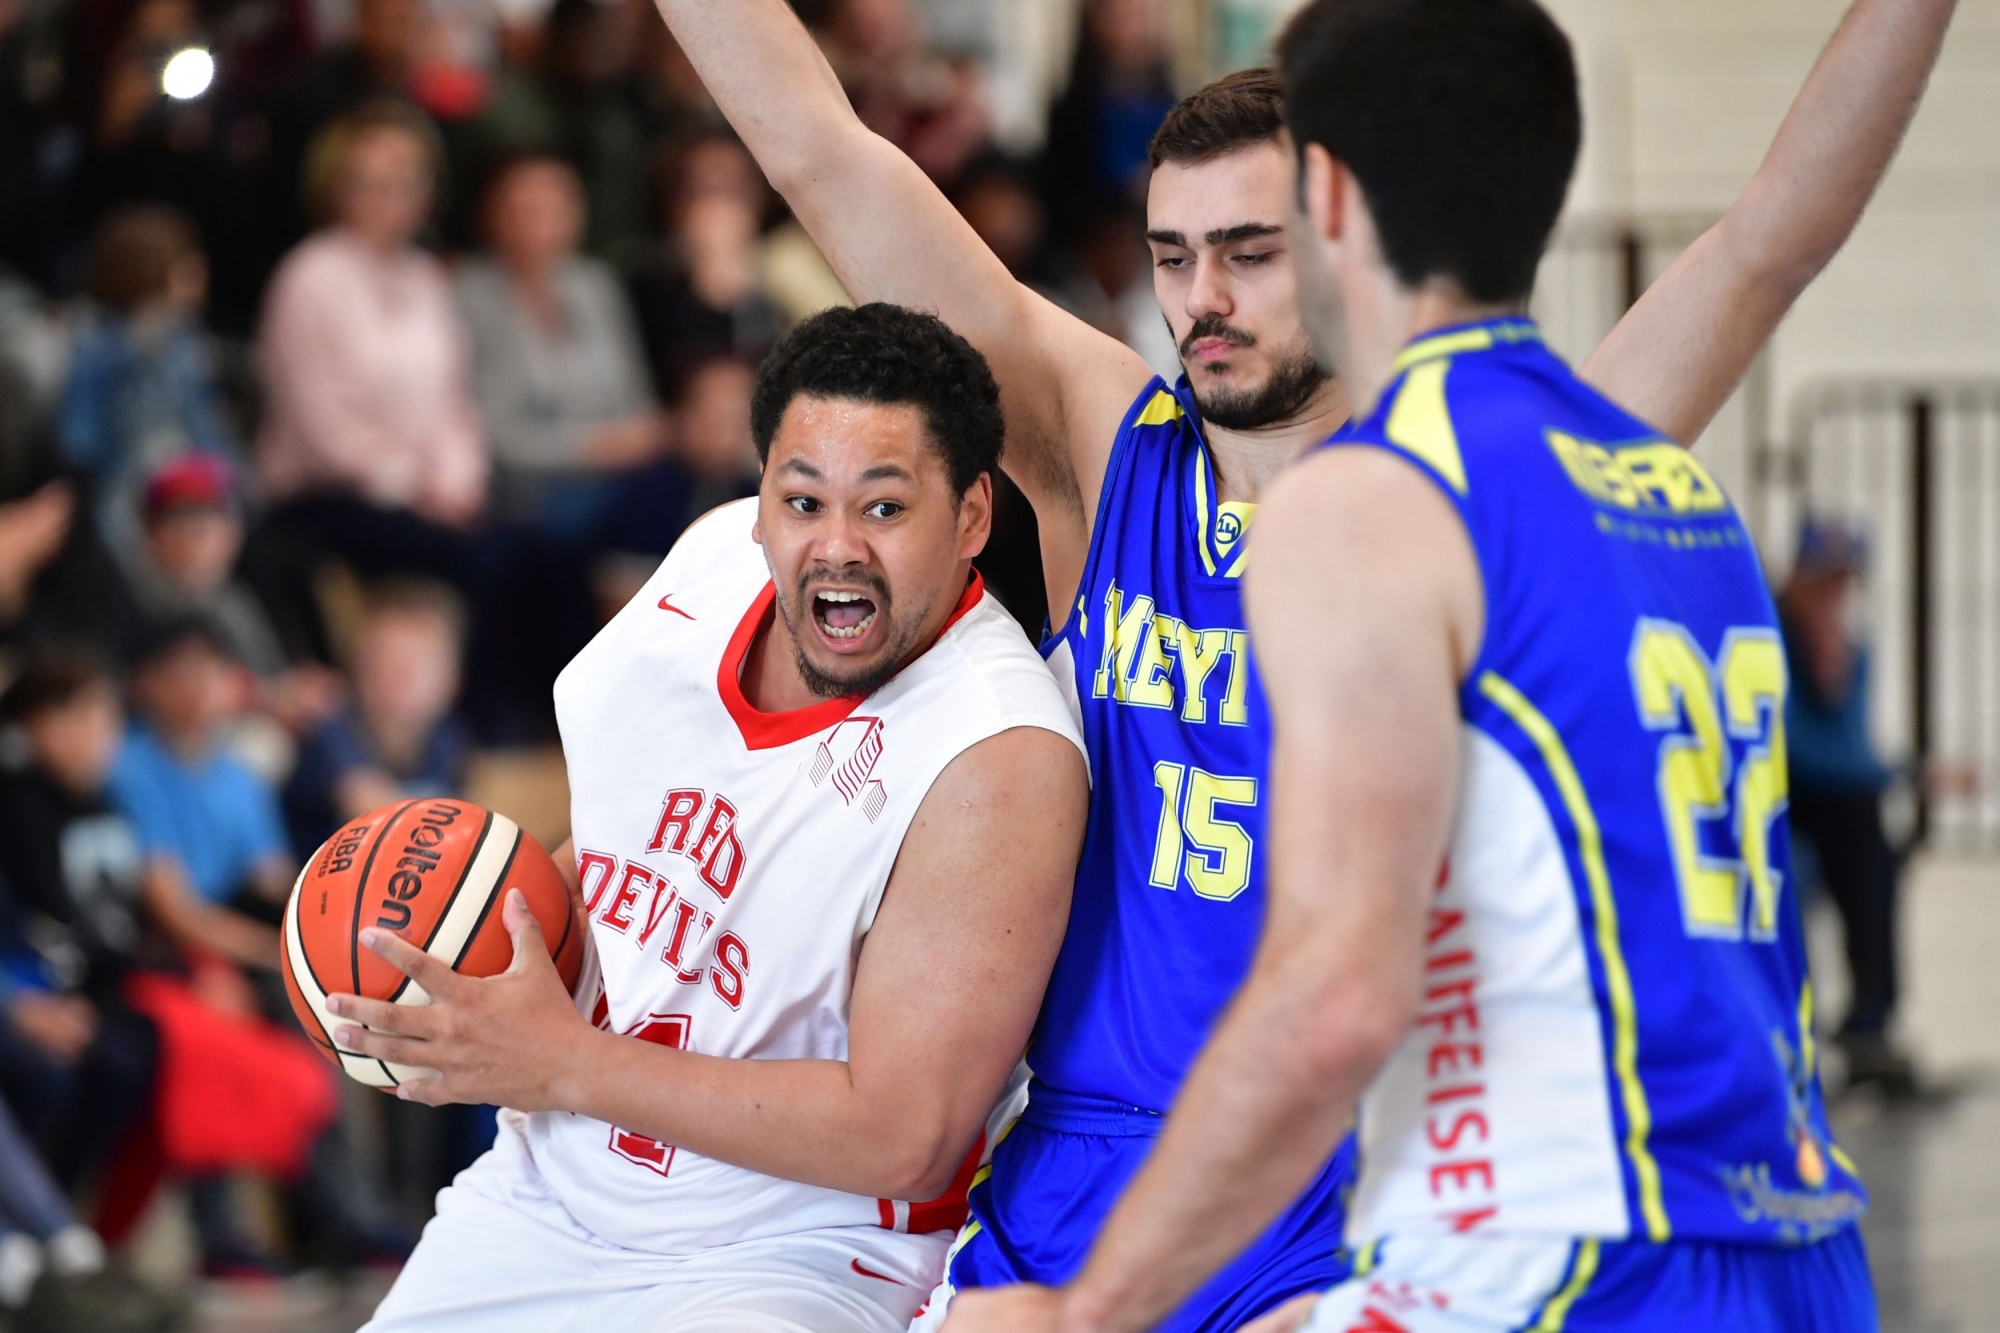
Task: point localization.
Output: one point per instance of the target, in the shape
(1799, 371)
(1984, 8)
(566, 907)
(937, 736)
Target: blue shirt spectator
(344, 747)
(213, 814)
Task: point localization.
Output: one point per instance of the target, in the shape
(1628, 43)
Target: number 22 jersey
(1615, 1037)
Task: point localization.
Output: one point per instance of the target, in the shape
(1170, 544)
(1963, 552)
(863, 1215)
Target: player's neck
(1246, 461)
(1382, 317)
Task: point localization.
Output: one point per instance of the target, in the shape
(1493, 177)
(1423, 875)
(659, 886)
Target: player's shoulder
(988, 675)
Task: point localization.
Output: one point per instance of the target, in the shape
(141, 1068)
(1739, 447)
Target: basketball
(434, 871)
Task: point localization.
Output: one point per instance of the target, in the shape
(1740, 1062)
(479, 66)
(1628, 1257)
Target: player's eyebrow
(1244, 231)
(1167, 238)
(888, 472)
(803, 468)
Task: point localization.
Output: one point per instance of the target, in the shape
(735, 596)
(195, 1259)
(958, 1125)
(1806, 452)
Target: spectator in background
(217, 862)
(147, 147)
(1836, 790)
(142, 388)
(399, 738)
(1120, 89)
(579, 106)
(365, 361)
(75, 1062)
(185, 566)
(557, 367)
(702, 293)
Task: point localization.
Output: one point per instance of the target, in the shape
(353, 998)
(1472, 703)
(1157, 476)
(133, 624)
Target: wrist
(1084, 1311)
(568, 1087)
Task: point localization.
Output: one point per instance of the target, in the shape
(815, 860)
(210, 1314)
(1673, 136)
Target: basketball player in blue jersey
(1144, 491)
(1531, 924)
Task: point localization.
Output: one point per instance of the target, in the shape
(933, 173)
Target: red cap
(191, 481)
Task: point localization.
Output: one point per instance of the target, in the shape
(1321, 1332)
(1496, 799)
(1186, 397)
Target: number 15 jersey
(1615, 1036)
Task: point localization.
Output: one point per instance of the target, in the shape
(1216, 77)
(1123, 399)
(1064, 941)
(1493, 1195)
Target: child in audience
(399, 737)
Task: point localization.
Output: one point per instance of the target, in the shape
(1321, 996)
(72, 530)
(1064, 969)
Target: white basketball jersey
(732, 862)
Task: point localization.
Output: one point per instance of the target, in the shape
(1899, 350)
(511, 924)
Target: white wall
(1682, 97)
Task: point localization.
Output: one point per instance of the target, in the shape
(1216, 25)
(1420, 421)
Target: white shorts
(502, 1256)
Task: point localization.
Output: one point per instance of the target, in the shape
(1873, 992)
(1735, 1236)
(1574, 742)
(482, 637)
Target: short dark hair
(133, 253)
(1459, 118)
(54, 676)
(1240, 111)
(888, 354)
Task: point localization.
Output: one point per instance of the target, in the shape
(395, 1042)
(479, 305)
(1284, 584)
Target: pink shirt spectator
(368, 374)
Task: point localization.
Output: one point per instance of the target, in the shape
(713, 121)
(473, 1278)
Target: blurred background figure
(1837, 784)
(558, 372)
(1120, 89)
(398, 737)
(142, 388)
(702, 291)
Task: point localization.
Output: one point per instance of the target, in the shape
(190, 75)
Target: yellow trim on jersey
(1445, 344)
(1420, 419)
(1201, 508)
(1366, 1258)
(1807, 1052)
(1163, 409)
(1556, 1313)
(1617, 979)
(1846, 1162)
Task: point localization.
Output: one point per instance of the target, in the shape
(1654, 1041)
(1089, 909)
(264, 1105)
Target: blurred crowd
(358, 358)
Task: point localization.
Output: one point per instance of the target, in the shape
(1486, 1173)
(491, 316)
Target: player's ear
(975, 517)
(1324, 184)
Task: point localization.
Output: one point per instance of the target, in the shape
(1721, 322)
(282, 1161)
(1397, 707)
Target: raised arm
(1681, 351)
(950, 978)
(891, 235)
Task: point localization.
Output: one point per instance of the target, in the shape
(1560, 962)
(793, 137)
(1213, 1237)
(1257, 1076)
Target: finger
(402, 1020)
(381, 1046)
(429, 1090)
(529, 946)
(428, 972)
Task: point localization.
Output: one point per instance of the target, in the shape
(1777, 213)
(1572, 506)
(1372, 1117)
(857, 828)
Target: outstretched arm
(1364, 601)
(949, 981)
(1681, 351)
(891, 235)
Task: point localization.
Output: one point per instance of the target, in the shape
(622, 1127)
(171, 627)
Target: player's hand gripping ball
(435, 872)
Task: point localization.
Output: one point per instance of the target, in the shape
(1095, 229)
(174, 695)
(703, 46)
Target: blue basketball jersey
(1616, 1034)
(1169, 892)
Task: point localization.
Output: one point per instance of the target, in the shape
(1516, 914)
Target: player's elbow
(920, 1164)
(1354, 1025)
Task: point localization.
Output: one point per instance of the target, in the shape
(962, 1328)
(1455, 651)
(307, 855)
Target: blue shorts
(1060, 1171)
(1500, 1284)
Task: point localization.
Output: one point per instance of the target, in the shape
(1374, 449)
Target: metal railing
(1915, 462)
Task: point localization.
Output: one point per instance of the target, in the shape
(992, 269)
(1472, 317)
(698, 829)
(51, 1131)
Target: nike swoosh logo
(879, 1277)
(667, 605)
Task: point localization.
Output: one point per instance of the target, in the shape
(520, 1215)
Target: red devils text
(647, 908)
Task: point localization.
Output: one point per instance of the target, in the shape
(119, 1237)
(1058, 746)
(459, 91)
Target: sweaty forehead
(847, 440)
(1247, 187)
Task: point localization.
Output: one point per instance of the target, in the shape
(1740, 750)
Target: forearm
(803, 1120)
(1261, 1112)
(767, 77)
(1679, 354)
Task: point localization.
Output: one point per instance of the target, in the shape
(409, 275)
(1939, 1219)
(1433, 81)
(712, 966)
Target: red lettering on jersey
(719, 852)
(669, 1030)
(664, 897)
(692, 976)
(732, 960)
(1375, 1321)
(1444, 920)
(677, 814)
(617, 913)
(604, 865)
(677, 941)
(1449, 1140)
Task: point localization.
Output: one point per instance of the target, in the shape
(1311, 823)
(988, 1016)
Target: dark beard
(1281, 398)
(830, 687)
(833, 687)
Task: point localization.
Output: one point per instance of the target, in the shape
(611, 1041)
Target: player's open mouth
(843, 617)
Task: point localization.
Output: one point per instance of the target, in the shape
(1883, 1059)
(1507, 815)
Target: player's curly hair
(888, 354)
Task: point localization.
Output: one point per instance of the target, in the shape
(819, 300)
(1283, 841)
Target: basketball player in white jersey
(826, 807)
